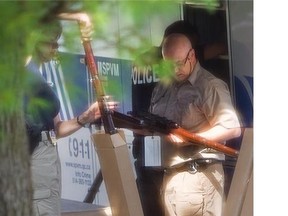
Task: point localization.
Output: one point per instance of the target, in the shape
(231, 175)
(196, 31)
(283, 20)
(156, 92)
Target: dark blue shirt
(40, 102)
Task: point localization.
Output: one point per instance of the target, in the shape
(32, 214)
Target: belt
(193, 166)
(48, 136)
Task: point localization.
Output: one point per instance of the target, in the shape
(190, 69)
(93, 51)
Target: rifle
(106, 117)
(124, 200)
(84, 21)
(146, 123)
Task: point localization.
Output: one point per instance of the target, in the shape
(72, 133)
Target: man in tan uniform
(200, 103)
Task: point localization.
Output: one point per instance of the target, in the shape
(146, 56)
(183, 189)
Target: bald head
(175, 45)
(177, 49)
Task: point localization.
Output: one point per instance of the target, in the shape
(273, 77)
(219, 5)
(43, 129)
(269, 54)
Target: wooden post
(118, 174)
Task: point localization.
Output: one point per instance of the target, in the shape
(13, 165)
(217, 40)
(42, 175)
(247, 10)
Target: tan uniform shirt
(201, 102)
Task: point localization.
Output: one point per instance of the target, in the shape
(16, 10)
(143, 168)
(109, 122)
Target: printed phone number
(81, 181)
(79, 148)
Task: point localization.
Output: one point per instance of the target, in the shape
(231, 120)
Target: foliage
(19, 23)
(18, 20)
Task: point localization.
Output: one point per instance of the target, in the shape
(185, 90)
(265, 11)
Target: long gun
(112, 148)
(123, 200)
(99, 90)
(104, 110)
(146, 123)
(83, 20)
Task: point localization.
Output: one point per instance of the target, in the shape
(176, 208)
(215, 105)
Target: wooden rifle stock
(192, 137)
(104, 110)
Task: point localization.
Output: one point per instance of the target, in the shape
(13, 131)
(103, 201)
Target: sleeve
(217, 105)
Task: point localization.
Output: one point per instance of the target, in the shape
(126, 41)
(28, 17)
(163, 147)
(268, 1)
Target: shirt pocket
(189, 112)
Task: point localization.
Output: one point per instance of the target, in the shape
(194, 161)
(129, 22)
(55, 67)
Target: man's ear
(192, 52)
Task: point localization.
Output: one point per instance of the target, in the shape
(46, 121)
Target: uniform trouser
(46, 180)
(198, 194)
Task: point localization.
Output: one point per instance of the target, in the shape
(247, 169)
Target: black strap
(193, 166)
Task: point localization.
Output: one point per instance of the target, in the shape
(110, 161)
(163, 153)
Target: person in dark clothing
(44, 125)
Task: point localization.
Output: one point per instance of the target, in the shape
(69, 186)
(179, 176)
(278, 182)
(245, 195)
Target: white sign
(79, 164)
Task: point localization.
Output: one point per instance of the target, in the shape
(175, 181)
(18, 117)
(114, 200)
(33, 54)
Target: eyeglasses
(182, 63)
